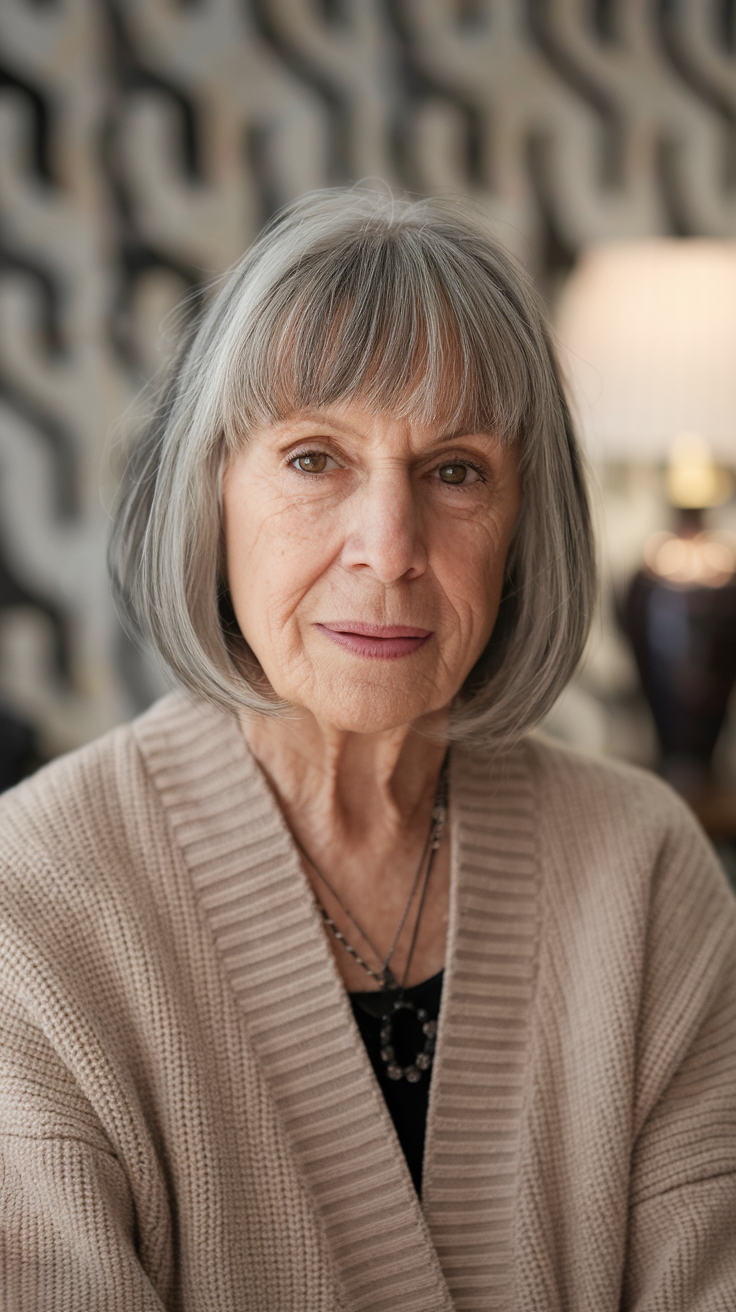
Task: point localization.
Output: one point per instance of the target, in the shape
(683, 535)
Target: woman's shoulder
(626, 836)
(88, 809)
(89, 870)
(64, 797)
(602, 829)
(600, 790)
(74, 784)
(577, 791)
(606, 804)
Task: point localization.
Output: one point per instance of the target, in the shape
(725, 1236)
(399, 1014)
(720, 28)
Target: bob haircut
(413, 309)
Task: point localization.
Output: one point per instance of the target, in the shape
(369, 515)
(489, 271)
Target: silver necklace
(392, 992)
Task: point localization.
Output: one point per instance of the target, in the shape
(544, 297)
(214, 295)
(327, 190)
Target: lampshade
(648, 336)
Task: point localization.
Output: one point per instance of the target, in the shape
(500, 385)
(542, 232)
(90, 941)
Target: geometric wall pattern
(143, 143)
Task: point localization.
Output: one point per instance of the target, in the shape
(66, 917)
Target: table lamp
(648, 330)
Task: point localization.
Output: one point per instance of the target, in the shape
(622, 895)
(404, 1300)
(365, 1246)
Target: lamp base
(684, 641)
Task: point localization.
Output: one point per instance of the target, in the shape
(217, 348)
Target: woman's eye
(312, 462)
(456, 473)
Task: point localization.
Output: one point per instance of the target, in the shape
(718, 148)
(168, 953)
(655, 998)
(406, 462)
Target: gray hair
(412, 308)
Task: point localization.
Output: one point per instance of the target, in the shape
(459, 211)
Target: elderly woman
(324, 985)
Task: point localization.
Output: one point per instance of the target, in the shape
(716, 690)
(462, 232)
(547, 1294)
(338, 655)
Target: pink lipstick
(383, 642)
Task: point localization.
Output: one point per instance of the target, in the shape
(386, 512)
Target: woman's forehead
(448, 415)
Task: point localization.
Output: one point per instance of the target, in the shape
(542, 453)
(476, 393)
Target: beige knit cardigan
(188, 1119)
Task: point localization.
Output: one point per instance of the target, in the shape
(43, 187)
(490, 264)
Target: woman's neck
(346, 785)
(360, 805)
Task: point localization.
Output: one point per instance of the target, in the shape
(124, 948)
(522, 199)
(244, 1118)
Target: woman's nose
(385, 534)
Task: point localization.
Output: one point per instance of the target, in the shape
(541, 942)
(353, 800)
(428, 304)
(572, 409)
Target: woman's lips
(383, 642)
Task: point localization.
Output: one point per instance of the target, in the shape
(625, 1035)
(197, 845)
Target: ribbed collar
(455, 1251)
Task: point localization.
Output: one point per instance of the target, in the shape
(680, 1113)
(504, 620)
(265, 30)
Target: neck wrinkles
(346, 784)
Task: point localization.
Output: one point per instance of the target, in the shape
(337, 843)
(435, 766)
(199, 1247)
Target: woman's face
(365, 559)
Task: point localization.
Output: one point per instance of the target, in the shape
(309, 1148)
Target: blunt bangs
(384, 322)
(412, 309)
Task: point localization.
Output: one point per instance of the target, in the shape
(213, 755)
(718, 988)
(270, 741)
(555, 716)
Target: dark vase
(17, 749)
(684, 641)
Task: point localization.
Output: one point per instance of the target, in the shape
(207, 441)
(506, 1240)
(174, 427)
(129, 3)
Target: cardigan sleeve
(67, 1230)
(681, 1247)
(73, 1233)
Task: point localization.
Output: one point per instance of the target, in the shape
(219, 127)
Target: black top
(406, 1102)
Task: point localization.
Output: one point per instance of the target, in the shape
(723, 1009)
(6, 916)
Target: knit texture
(188, 1118)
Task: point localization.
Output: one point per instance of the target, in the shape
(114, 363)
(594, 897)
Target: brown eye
(453, 473)
(315, 462)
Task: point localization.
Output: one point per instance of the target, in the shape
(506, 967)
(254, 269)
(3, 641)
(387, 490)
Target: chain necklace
(392, 991)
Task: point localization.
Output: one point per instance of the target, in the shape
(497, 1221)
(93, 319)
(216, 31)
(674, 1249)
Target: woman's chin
(374, 713)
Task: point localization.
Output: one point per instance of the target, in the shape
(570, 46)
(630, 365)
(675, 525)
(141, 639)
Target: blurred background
(144, 142)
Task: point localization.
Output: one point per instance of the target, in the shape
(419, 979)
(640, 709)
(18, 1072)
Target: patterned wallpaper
(142, 144)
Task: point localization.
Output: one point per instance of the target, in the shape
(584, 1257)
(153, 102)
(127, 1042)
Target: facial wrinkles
(374, 544)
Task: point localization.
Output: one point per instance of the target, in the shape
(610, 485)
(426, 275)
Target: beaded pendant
(423, 1059)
